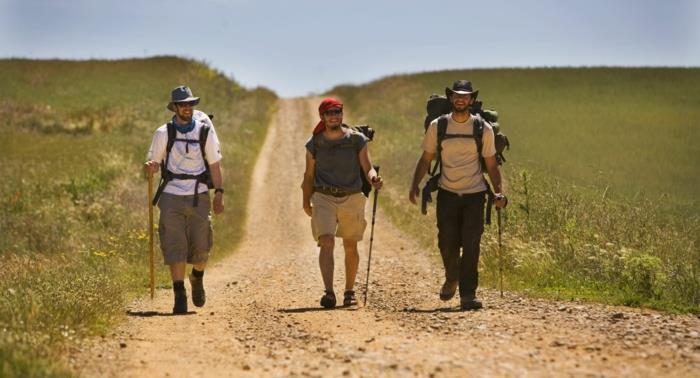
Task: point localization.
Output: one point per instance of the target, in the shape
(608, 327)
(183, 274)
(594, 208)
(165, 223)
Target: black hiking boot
(198, 294)
(328, 299)
(180, 306)
(449, 288)
(469, 303)
(349, 298)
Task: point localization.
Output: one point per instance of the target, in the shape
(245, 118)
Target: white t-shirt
(461, 171)
(186, 160)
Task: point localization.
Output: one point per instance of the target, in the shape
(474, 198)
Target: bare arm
(422, 167)
(495, 177)
(218, 179)
(368, 168)
(307, 185)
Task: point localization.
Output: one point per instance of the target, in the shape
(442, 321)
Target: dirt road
(262, 316)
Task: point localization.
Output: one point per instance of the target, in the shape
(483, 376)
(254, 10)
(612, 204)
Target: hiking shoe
(328, 299)
(470, 303)
(198, 294)
(349, 298)
(449, 288)
(180, 306)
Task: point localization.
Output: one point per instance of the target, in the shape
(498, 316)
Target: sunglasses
(184, 104)
(333, 112)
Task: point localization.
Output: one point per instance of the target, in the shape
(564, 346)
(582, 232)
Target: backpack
(167, 176)
(355, 132)
(439, 107)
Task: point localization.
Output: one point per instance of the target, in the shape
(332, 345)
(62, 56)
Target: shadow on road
(432, 310)
(148, 314)
(314, 309)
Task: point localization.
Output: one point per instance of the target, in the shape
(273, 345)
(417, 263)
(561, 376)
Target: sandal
(349, 298)
(328, 299)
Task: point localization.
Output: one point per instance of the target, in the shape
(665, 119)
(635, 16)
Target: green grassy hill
(73, 197)
(603, 175)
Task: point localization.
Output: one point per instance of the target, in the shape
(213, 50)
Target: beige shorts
(343, 217)
(185, 231)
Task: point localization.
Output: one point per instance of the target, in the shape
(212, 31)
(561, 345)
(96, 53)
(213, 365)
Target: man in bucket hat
(187, 171)
(336, 156)
(462, 191)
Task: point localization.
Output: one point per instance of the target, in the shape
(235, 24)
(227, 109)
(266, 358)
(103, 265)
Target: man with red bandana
(336, 157)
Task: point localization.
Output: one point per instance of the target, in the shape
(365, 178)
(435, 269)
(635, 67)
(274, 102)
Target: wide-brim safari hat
(181, 94)
(461, 87)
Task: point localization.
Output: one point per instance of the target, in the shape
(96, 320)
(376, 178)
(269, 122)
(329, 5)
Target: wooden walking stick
(150, 231)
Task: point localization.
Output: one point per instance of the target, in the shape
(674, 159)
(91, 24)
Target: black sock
(178, 286)
(196, 273)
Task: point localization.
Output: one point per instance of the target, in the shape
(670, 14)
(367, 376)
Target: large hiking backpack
(354, 142)
(438, 107)
(167, 176)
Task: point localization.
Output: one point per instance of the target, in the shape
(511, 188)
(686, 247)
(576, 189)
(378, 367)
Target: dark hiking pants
(460, 221)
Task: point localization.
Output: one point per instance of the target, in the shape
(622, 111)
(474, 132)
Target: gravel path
(262, 316)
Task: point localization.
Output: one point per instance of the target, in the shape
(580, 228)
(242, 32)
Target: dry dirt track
(262, 316)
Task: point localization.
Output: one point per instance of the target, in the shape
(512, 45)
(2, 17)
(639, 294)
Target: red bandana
(326, 104)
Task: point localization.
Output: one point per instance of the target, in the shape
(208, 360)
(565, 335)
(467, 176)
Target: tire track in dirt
(262, 316)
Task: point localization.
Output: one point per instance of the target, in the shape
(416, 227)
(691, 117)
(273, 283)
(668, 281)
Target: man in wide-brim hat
(183, 196)
(462, 87)
(462, 190)
(181, 95)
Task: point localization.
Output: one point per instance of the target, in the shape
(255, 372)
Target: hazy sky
(304, 46)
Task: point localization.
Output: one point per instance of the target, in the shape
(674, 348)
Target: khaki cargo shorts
(185, 231)
(343, 217)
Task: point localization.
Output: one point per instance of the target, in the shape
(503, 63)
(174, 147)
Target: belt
(463, 195)
(333, 191)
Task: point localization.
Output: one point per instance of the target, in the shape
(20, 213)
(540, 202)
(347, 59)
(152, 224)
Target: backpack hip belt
(202, 178)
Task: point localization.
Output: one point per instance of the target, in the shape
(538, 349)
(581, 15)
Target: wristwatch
(219, 190)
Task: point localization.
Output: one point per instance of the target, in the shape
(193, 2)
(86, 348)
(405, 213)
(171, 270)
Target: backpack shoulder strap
(441, 132)
(203, 135)
(478, 134)
(171, 138)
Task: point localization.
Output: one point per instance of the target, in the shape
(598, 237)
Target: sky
(308, 46)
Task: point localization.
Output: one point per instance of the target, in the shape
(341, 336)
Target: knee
(350, 247)
(326, 242)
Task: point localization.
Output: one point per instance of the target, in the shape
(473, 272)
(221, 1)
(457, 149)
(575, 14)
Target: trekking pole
(500, 251)
(371, 239)
(150, 231)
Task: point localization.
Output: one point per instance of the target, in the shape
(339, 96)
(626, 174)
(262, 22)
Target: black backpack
(166, 176)
(354, 142)
(439, 107)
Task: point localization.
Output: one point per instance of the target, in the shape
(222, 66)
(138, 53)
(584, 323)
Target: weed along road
(262, 316)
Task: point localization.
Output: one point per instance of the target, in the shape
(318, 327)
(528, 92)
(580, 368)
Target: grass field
(602, 176)
(73, 200)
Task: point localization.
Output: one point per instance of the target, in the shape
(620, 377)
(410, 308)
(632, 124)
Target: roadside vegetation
(73, 199)
(602, 177)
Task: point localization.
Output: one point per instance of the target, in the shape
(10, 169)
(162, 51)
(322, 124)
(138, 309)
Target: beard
(334, 126)
(460, 108)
